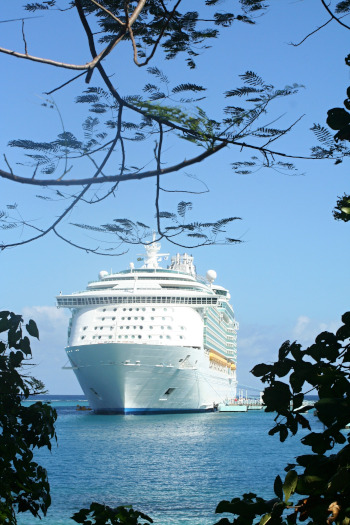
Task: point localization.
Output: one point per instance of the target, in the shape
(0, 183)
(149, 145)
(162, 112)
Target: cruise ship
(152, 339)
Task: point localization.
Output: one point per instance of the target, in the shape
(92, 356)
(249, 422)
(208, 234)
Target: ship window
(168, 336)
(130, 309)
(85, 327)
(129, 318)
(101, 327)
(149, 337)
(153, 309)
(181, 337)
(99, 337)
(141, 327)
(127, 327)
(142, 318)
(160, 337)
(162, 327)
(124, 309)
(169, 391)
(103, 318)
(139, 337)
(104, 310)
(109, 337)
(83, 337)
(93, 337)
(114, 309)
(151, 327)
(113, 318)
(165, 309)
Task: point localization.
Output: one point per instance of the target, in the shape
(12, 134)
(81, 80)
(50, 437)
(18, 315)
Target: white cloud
(306, 329)
(48, 353)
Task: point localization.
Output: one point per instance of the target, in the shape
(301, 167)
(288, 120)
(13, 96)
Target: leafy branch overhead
(160, 115)
(151, 123)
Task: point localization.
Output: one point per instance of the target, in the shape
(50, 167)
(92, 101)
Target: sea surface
(175, 468)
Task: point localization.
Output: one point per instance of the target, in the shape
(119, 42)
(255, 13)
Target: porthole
(181, 337)
(83, 337)
(99, 337)
(143, 309)
(152, 318)
(124, 309)
(101, 327)
(165, 309)
(151, 327)
(162, 327)
(103, 318)
(109, 337)
(136, 318)
(129, 318)
(169, 327)
(130, 309)
(104, 310)
(113, 318)
(163, 318)
(142, 318)
(139, 337)
(137, 309)
(133, 337)
(160, 337)
(149, 337)
(168, 336)
(141, 327)
(119, 336)
(95, 328)
(114, 309)
(125, 336)
(85, 327)
(127, 327)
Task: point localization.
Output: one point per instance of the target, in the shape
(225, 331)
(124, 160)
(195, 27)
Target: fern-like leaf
(183, 207)
(323, 135)
(187, 87)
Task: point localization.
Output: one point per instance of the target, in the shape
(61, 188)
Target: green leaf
(261, 370)
(278, 487)
(290, 484)
(32, 329)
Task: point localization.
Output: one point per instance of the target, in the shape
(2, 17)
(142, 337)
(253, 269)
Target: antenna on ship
(152, 256)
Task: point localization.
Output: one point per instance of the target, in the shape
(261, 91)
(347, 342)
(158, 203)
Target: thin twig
(24, 39)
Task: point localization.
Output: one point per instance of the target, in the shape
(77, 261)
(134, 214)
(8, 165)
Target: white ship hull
(139, 379)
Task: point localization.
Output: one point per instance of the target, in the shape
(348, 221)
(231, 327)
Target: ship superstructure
(153, 339)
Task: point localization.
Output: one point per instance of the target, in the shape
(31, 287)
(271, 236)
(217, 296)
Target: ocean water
(175, 468)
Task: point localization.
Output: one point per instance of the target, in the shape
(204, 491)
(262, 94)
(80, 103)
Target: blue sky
(289, 277)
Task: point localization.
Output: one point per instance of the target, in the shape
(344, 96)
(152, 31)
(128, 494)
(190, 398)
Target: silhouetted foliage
(24, 486)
